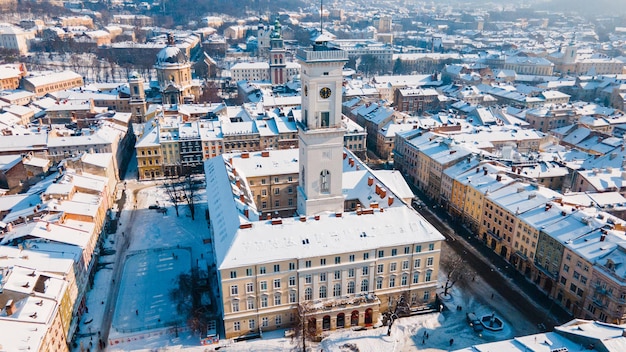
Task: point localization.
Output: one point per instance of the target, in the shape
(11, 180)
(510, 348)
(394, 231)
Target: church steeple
(319, 131)
(278, 74)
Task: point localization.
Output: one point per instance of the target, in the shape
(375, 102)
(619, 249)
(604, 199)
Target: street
(506, 282)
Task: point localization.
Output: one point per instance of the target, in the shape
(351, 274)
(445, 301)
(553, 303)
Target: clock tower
(319, 130)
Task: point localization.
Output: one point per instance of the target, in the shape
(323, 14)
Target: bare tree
(186, 293)
(175, 193)
(301, 329)
(455, 269)
(190, 190)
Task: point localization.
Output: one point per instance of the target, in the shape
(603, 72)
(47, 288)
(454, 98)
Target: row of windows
(351, 258)
(278, 320)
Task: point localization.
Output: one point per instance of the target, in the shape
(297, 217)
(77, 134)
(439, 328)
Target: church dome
(171, 55)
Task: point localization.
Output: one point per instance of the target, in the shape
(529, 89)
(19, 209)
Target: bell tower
(319, 130)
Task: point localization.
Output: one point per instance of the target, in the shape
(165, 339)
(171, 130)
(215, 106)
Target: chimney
(499, 178)
(269, 216)
(246, 212)
(10, 307)
(48, 227)
(374, 205)
(351, 162)
(238, 182)
(519, 170)
(302, 218)
(513, 169)
(317, 217)
(265, 154)
(370, 180)
(242, 198)
(390, 200)
(338, 214)
(234, 172)
(602, 237)
(378, 188)
(548, 206)
(485, 172)
(383, 193)
(345, 155)
(477, 170)
(245, 225)
(245, 155)
(278, 221)
(9, 227)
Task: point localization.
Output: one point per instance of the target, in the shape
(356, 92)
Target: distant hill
(583, 7)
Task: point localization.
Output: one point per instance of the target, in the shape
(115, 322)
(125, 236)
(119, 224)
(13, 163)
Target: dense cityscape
(312, 176)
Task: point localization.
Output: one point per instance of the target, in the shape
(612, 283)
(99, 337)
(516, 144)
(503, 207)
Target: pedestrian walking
(451, 342)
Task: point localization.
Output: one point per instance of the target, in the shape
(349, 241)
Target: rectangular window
(576, 275)
(417, 263)
(235, 306)
(337, 260)
(263, 285)
(337, 274)
(418, 248)
(292, 266)
(416, 277)
(351, 258)
(428, 275)
(251, 324)
(234, 290)
(566, 268)
(276, 268)
(394, 252)
(279, 319)
(264, 302)
(381, 253)
(365, 271)
(572, 287)
(250, 304)
(308, 279)
(405, 265)
(322, 276)
(249, 272)
(276, 191)
(236, 326)
(366, 256)
(265, 322)
(392, 281)
(380, 268)
(350, 272)
(262, 270)
(426, 295)
(277, 300)
(392, 266)
(323, 261)
(429, 261)
(249, 287)
(276, 283)
(292, 297)
(233, 274)
(407, 250)
(292, 281)
(307, 264)
(431, 247)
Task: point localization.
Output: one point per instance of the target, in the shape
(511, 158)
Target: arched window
(337, 290)
(308, 294)
(325, 181)
(351, 287)
(365, 285)
(322, 291)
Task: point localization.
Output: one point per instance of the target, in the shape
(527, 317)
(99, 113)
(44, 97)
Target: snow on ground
(152, 230)
(145, 304)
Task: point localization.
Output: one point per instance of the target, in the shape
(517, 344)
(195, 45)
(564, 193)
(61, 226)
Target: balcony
(342, 303)
(331, 54)
(598, 302)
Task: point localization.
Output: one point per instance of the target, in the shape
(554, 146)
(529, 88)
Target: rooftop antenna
(321, 17)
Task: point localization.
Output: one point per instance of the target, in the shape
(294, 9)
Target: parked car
(474, 322)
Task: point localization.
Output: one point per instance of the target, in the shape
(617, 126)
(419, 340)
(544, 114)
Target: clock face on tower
(325, 93)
